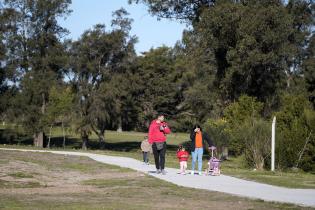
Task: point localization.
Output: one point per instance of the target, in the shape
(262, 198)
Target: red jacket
(182, 155)
(157, 135)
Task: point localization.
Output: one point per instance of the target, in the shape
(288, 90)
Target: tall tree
(35, 56)
(157, 84)
(309, 69)
(184, 10)
(100, 58)
(59, 109)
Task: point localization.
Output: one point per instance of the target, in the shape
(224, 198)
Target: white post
(273, 136)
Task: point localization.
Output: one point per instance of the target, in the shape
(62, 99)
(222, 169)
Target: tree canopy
(238, 64)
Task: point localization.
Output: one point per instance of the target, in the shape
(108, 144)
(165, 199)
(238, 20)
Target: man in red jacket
(157, 137)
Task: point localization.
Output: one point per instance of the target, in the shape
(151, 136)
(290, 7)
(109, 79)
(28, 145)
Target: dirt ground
(48, 181)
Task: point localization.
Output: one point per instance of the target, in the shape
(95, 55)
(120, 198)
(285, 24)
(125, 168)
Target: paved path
(226, 184)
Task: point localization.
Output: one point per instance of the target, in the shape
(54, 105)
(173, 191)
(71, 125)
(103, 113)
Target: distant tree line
(238, 64)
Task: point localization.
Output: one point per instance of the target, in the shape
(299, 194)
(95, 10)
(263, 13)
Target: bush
(246, 108)
(295, 133)
(218, 131)
(256, 136)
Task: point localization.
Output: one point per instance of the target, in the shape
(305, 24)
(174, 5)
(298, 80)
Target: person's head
(161, 117)
(181, 148)
(197, 128)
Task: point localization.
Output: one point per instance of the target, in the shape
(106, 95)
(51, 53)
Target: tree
(59, 109)
(100, 58)
(35, 56)
(3, 76)
(295, 123)
(157, 86)
(184, 10)
(309, 69)
(250, 44)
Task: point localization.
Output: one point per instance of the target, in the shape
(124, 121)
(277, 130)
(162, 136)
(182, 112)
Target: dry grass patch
(71, 182)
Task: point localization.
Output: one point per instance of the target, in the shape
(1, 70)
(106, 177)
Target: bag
(159, 145)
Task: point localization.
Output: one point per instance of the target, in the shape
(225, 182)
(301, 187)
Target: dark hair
(197, 126)
(161, 114)
(180, 147)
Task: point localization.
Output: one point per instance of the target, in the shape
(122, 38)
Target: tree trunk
(303, 150)
(101, 139)
(48, 144)
(85, 140)
(64, 136)
(119, 129)
(260, 164)
(225, 153)
(44, 103)
(101, 136)
(39, 139)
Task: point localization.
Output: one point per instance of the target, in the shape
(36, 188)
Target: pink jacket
(157, 135)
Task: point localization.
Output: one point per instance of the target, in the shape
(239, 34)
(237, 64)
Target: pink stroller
(213, 165)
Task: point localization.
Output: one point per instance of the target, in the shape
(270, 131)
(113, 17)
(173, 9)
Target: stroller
(213, 165)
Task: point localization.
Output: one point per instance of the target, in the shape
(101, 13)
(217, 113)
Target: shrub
(236, 114)
(295, 133)
(256, 136)
(218, 131)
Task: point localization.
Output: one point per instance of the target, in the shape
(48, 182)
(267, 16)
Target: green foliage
(245, 110)
(235, 61)
(256, 135)
(184, 10)
(100, 61)
(34, 56)
(156, 82)
(246, 107)
(218, 130)
(60, 104)
(249, 133)
(295, 127)
(309, 69)
(250, 55)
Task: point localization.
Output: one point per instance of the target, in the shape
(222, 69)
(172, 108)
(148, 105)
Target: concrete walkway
(226, 184)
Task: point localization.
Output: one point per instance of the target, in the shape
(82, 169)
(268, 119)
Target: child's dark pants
(145, 157)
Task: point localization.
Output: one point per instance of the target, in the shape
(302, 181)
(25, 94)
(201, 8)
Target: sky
(150, 31)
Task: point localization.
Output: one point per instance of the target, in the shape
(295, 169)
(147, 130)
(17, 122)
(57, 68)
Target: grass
(14, 184)
(290, 179)
(127, 144)
(20, 175)
(109, 188)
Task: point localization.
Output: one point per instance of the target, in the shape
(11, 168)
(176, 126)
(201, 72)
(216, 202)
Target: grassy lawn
(128, 144)
(70, 182)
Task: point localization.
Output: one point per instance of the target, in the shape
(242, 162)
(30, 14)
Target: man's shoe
(158, 171)
(192, 172)
(200, 173)
(163, 172)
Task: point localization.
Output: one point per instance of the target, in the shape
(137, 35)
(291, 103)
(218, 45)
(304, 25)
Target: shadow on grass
(12, 137)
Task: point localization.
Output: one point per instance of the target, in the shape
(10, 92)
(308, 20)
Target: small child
(146, 148)
(182, 156)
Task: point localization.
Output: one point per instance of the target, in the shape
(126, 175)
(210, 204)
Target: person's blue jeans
(197, 155)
